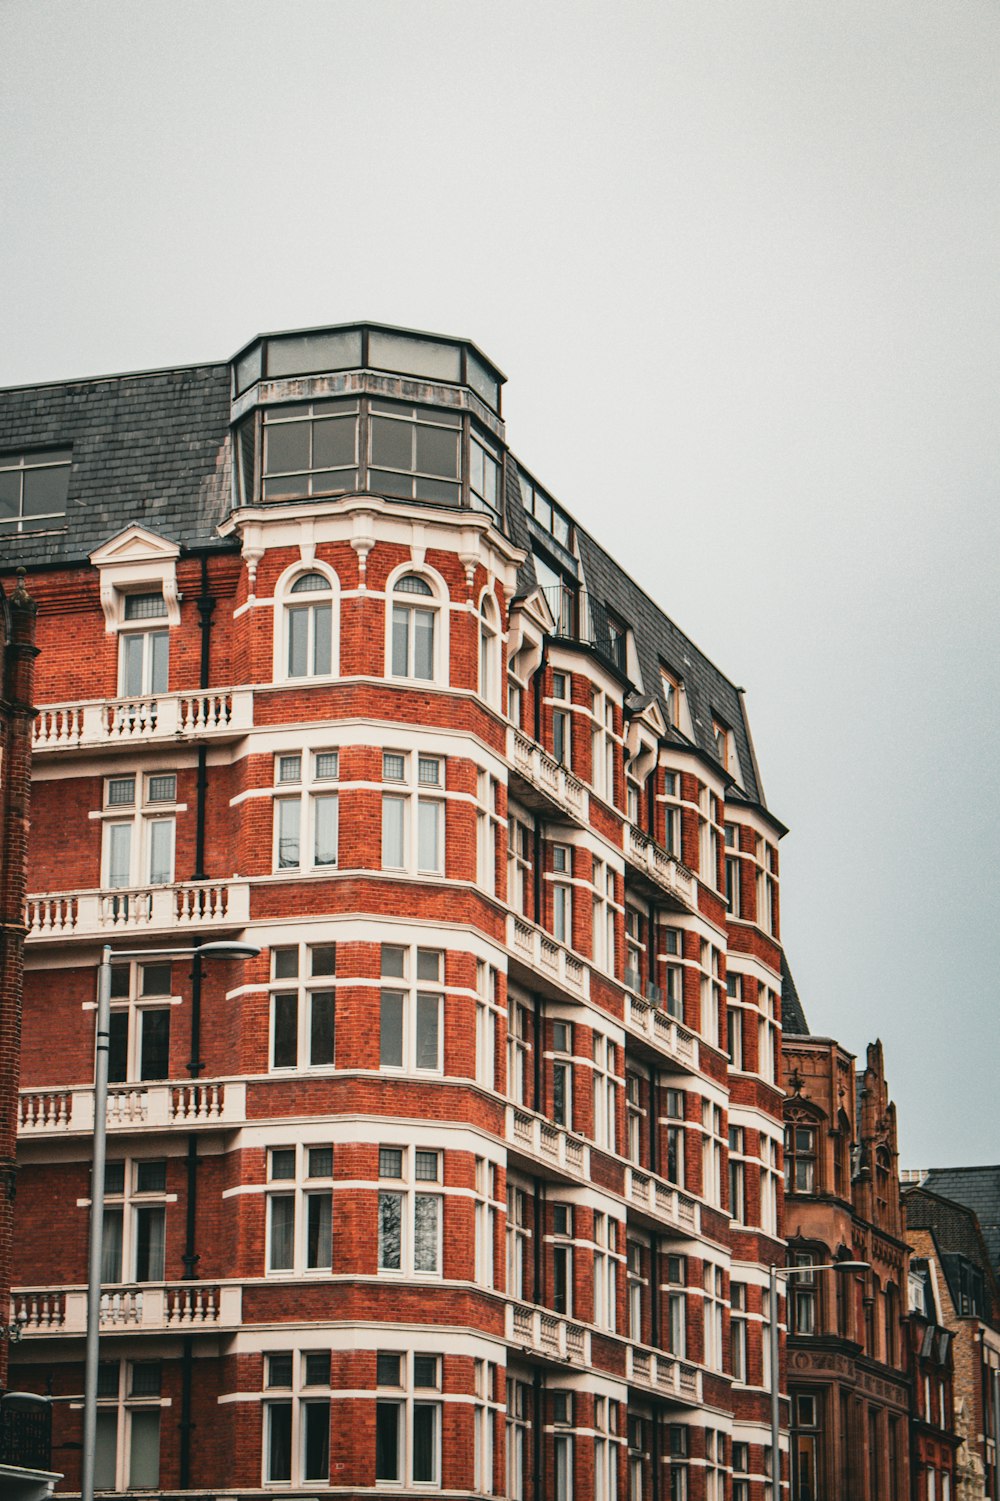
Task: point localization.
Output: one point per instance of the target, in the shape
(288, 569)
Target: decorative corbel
(468, 561)
(362, 546)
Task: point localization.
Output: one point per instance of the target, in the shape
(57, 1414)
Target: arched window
(415, 641)
(309, 627)
(489, 650)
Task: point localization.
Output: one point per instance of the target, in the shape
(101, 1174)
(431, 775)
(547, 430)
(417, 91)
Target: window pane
(391, 1035)
(400, 640)
(118, 1047)
(298, 639)
(132, 655)
(286, 1030)
(437, 452)
(282, 1213)
(149, 1237)
(321, 1028)
(325, 851)
(107, 1449)
(423, 644)
(392, 443)
(161, 851)
(428, 1013)
(319, 1252)
(111, 1250)
(386, 1441)
(322, 626)
(159, 651)
(333, 442)
(390, 1216)
(289, 820)
(316, 1441)
(155, 1045)
(393, 840)
(119, 854)
(279, 1441)
(144, 1457)
(286, 448)
(430, 819)
(426, 1211)
(425, 1441)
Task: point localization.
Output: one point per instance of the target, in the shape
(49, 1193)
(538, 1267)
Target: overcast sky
(739, 263)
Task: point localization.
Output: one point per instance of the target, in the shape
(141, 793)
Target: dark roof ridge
(97, 380)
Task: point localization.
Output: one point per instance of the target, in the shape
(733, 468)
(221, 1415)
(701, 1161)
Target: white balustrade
(139, 721)
(547, 774)
(542, 1139)
(179, 1305)
(662, 1030)
(544, 954)
(666, 871)
(132, 1107)
(548, 1334)
(649, 1192)
(99, 914)
(663, 1372)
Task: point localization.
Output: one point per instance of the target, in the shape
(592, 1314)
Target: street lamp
(220, 950)
(791, 1271)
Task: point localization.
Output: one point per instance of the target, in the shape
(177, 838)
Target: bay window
(410, 1212)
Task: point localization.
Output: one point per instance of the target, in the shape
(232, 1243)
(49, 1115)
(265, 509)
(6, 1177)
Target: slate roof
(978, 1188)
(151, 448)
(793, 1017)
(154, 448)
(956, 1231)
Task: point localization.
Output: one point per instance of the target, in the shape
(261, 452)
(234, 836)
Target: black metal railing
(25, 1431)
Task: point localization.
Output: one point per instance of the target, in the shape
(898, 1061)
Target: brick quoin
(490, 1215)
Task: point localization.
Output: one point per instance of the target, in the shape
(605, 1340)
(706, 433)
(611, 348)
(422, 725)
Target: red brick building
(469, 1184)
(849, 1372)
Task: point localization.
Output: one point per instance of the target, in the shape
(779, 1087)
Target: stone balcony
(46, 1113)
(544, 781)
(217, 713)
(182, 1306)
(661, 1201)
(545, 958)
(663, 1373)
(653, 1025)
(663, 873)
(134, 913)
(547, 1334)
(547, 1144)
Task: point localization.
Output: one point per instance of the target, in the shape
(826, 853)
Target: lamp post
(786, 1272)
(221, 950)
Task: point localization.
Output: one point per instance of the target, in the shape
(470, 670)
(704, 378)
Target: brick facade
(471, 1181)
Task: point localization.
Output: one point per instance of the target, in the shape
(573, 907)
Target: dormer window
(33, 490)
(670, 692)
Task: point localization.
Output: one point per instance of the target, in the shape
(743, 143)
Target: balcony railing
(26, 1439)
(662, 1031)
(548, 1334)
(661, 1199)
(541, 1139)
(139, 910)
(541, 952)
(185, 1306)
(61, 1112)
(664, 1373)
(665, 871)
(546, 775)
(216, 712)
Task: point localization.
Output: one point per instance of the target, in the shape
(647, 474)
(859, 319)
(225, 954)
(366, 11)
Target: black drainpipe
(206, 607)
(536, 1434)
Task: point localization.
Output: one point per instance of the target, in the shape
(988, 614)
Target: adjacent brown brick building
(471, 1183)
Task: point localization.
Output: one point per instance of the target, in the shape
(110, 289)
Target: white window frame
(605, 746)
(519, 1045)
(606, 1083)
(419, 991)
(302, 794)
(488, 1014)
(436, 603)
(486, 1209)
(490, 652)
(606, 906)
(125, 1406)
(417, 798)
(285, 601)
(410, 1189)
(519, 863)
(304, 984)
(299, 1396)
(148, 631)
(141, 817)
(712, 1144)
(134, 1005)
(132, 1200)
(608, 1233)
(487, 831)
(301, 1187)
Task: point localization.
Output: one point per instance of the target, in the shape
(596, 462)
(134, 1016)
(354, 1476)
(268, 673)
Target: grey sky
(739, 264)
